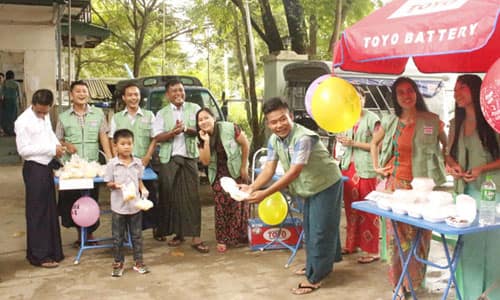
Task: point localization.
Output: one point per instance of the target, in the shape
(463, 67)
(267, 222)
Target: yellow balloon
(273, 209)
(335, 105)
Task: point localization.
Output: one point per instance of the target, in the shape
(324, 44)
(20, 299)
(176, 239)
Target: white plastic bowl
(415, 210)
(384, 203)
(423, 184)
(408, 196)
(439, 198)
(457, 222)
(466, 207)
(437, 214)
(400, 208)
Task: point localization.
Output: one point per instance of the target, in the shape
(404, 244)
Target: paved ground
(178, 273)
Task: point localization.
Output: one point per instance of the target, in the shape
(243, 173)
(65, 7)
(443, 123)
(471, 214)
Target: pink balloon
(310, 91)
(85, 212)
(490, 96)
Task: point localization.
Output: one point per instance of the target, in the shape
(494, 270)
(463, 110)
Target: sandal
(200, 247)
(303, 289)
(175, 241)
(398, 295)
(49, 264)
(367, 259)
(221, 248)
(158, 236)
(300, 272)
(345, 251)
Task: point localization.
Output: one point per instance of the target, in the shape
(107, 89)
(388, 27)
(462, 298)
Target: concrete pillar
(274, 81)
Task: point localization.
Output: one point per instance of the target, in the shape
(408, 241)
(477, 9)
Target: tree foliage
(215, 29)
(138, 33)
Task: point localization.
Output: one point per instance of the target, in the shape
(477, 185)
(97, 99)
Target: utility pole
(163, 52)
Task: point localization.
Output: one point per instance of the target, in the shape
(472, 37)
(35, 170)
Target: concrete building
(33, 37)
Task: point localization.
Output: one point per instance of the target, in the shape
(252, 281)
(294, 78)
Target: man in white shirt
(38, 145)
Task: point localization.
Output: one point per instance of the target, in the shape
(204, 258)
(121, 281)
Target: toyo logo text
(272, 234)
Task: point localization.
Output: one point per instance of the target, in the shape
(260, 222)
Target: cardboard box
(76, 184)
(260, 234)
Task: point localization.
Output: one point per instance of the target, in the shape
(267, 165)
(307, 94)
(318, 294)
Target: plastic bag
(129, 191)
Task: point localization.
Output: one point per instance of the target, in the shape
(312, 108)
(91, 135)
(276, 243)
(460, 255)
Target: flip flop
(367, 259)
(399, 296)
(221, 248)
(160, 238)
(200, 247)
(49, 264)
(346, 252)
(175, 241)
(303, 289)
(300, 272)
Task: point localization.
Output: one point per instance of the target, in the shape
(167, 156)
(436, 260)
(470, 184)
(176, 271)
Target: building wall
(28, 32)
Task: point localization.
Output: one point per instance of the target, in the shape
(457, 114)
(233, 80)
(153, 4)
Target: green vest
(141, 129)
(362, 158)
(85, 139)
(189, 117)
(477, 157)
(232, 149)
(427, 158)
(318, 174)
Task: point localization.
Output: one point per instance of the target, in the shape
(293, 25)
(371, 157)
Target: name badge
(428, 130)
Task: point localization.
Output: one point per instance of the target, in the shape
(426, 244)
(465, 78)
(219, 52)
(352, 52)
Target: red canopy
(455, 36)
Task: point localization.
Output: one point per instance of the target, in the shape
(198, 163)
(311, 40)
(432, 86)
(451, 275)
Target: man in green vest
(140, 122)
(80, 129)
(179, 208)
(310, 173)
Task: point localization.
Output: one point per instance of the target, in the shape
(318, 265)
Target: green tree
(137, 37)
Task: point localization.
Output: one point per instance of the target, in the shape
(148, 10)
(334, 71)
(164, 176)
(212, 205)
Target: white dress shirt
(35, 139)
(178, 143)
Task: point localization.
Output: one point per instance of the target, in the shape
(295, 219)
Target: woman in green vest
(410, 148)
(224, 149)
(474, 154)
(362, 228)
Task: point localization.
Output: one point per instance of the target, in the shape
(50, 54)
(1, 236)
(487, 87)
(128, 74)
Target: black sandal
(303, 289)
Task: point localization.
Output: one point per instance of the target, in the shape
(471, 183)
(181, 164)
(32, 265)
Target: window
(156, 101)
(204, 99)
(150, 82)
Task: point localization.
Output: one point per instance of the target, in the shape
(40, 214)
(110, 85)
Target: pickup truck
(153, 93)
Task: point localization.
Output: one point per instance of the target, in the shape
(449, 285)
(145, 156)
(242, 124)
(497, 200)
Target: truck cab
(153, 93)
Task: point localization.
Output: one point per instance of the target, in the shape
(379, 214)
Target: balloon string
(335, 54)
